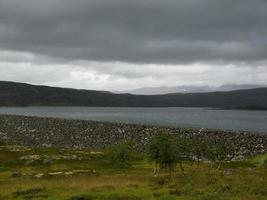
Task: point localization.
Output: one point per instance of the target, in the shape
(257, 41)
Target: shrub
(162, 152)
(183, 151)
(199, 148)
(219, 151)
(32, 193)
(121, 154)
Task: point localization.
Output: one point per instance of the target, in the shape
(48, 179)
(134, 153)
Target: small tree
(225, 152)
(162, 152)
(182, 151)
(219, 151)
(198, 149)
(120, 154)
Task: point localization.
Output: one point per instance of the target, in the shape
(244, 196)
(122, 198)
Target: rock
(40, 175)
(30, 157)
(49, 132)
(16, 174)
(55, 173)
(29, 162)
(48, 160)
(73, 157)
(46, 145)
(96, 154)
(68, 173)
(81, 171)
(15, 148)
(228, 172)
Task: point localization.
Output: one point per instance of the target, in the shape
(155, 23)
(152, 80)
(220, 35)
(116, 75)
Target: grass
(259, 159)
(91, 177)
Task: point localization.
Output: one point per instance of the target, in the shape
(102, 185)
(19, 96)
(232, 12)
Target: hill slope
(188, 89)
(20, 94)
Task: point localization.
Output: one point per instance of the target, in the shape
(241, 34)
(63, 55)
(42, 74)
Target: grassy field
(58, 174)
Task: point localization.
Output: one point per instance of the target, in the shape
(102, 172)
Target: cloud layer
(136, 39)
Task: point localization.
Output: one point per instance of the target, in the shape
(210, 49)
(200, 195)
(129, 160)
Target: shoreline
(73, 133)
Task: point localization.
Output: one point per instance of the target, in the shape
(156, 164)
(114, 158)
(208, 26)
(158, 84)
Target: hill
(21, 94)
(188, 89)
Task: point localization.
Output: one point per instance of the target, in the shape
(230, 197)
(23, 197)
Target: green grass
(258, 159)
(98, 180)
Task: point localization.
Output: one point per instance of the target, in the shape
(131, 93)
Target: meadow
(86, 174)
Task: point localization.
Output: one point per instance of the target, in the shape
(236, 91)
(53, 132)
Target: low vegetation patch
(32, 193)
(172, 168)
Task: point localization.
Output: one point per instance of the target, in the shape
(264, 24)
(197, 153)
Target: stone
(48, 160)
(35, 132)
(16, 174)
(55, 173)
(81, 171)
(40, 175)
(228, 172)
(68, 173)
(30, 157)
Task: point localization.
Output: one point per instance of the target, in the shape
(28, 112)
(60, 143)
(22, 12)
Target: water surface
(255, 121)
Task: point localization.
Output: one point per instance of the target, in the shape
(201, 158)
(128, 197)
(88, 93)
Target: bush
(162, 152)
(219, 151)
(121, 154)
(32, 193)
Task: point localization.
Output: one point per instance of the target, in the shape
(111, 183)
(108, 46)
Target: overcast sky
(124, 44)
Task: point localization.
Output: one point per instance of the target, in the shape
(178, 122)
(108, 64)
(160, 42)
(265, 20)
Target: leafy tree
(120, 154)
(198, 149)
(183, 151)
(162, 152)
(225, 152)
(219, 151)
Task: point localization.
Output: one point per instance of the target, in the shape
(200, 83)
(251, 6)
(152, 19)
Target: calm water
(178, 117)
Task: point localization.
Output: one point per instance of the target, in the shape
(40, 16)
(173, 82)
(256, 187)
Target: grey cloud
(137, 31)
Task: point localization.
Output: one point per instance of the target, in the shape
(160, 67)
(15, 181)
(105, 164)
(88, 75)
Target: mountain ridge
(22, 94)
(188, 89)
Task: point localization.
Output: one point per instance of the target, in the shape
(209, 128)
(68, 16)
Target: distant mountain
(167, 90)
(187, 89)
(20, 94)
(231, 87)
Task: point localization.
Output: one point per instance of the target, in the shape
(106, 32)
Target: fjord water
(255, 121)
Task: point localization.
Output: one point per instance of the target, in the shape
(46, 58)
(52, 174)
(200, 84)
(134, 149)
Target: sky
(126, 44)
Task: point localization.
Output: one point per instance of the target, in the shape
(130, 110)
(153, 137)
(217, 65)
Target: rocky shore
(51, 132)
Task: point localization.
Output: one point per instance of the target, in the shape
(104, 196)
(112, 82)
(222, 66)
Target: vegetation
(20, 94)
(121, 154)
(85, 174)
(166, 151)
(162, 152)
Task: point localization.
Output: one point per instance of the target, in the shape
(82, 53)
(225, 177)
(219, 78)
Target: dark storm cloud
(137, 31)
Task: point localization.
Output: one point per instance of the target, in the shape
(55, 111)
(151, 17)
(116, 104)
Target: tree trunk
(219, 166)
(156, 169)
(170, 172)
(182, 168)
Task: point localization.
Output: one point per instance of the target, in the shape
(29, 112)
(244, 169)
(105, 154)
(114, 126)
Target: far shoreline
(245, 108)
